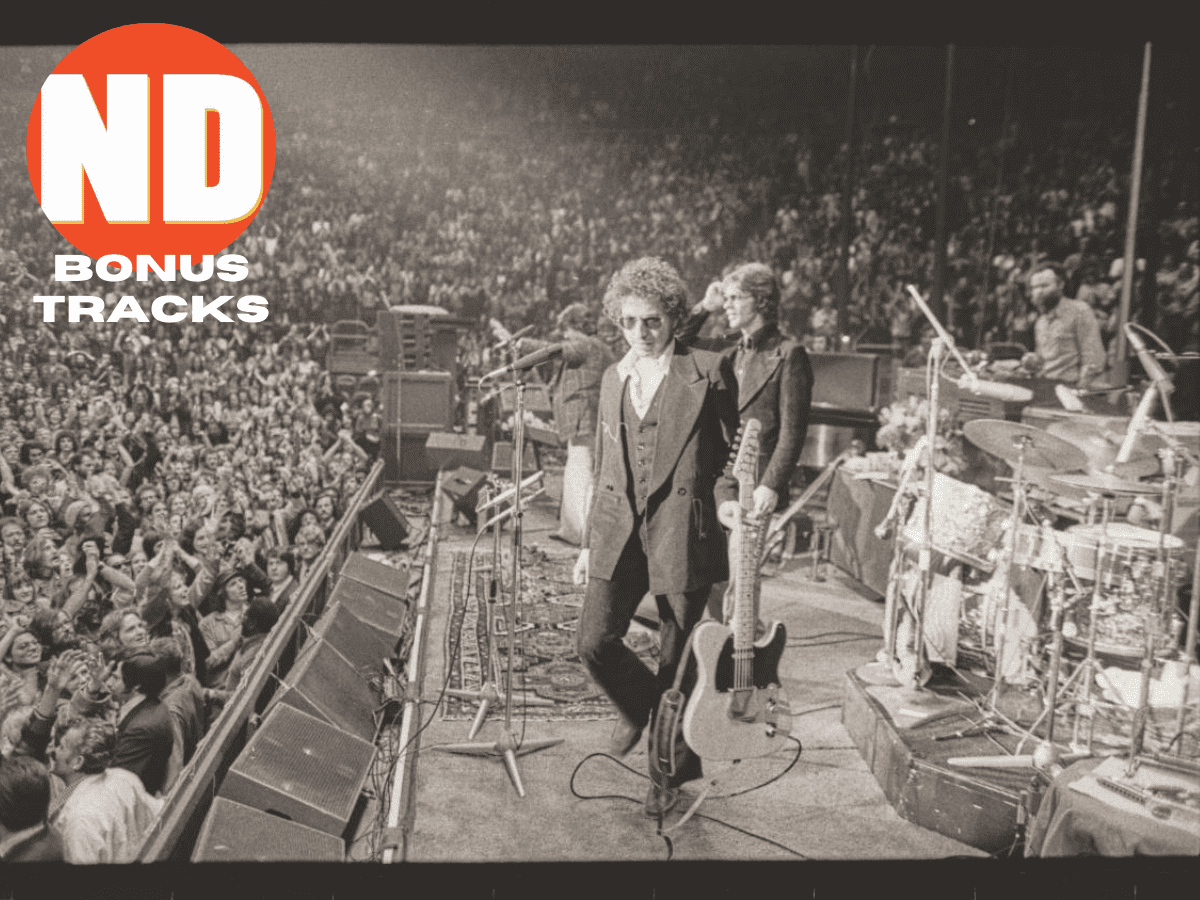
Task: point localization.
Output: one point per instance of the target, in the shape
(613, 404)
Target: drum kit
(1110, 584)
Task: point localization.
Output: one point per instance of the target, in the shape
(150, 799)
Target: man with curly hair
(666, 421)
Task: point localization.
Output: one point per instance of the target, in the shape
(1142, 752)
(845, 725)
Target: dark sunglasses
(629, 323)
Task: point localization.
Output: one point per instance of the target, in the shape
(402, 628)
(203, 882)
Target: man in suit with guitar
(667, 418)
(774, 379)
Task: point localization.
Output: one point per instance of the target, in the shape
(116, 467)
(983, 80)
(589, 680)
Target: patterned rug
(546, 665)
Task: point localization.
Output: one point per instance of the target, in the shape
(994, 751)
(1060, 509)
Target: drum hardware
(1152, 616)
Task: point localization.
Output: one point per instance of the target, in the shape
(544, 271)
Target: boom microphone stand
(508, 747)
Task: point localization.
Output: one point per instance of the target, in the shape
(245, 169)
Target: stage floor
(827, 806)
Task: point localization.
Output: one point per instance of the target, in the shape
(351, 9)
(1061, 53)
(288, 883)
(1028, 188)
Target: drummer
(1067, 345)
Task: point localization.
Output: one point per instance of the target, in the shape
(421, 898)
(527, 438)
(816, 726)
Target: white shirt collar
(662, 362)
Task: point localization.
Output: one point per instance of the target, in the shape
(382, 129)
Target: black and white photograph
(618, 453)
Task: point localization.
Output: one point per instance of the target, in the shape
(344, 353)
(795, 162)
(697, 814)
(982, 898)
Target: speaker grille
(362, 644)
(325, 684)
(382, 611)
(234, 832)
(301, 767)
(383, 578)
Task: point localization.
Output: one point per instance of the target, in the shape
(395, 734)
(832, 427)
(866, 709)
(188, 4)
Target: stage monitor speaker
(447, 450)
(384, 612)
(380, 576)
(364, 645)
(462, 486)
(386, 521)
(301, 768)
(234, 832)
(502, 458)
(325, 684)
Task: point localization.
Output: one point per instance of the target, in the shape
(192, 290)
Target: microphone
(1153, 370)
(528, 361)
(994, 390)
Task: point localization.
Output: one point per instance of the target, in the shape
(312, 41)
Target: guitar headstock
(745, 465)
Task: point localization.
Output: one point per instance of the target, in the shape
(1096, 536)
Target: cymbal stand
(1153, 615)
(1091, 664)
(1014, 522)
(1058, 605)
(508, 746)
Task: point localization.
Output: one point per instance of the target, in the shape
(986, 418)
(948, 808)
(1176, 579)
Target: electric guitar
(736, 710)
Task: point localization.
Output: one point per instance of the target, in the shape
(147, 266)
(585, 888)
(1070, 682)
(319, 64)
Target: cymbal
(1042, 449)
(1100, 439)
(1104, 484)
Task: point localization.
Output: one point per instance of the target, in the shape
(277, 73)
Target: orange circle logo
(151, 139)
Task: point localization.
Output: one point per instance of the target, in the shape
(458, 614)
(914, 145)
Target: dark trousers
(608, 609)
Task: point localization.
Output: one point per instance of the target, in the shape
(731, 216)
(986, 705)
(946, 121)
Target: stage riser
(944, 800)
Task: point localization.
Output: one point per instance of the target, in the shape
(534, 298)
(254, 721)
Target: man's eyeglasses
(629, 323)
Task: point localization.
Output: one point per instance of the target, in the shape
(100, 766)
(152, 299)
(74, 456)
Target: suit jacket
(776, 389)
(690, 474)
(144, 743)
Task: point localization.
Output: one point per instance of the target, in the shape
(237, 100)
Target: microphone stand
(488, 693)
(508, 746)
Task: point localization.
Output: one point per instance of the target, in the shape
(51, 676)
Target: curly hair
(757, 280)
(649, 278)
(97, 744)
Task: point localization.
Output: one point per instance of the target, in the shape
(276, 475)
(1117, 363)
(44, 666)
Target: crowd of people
(164, 488)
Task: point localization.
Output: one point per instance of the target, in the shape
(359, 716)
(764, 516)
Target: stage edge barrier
(401, 810)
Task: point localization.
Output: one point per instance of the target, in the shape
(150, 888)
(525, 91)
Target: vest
(639, 437)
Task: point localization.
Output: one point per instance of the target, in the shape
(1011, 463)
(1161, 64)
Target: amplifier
(846, 380)
(301, 768)
(380, 610)
(364, 645)
(233, 832)
(384, 578)
(325, 684)
(418, 401)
